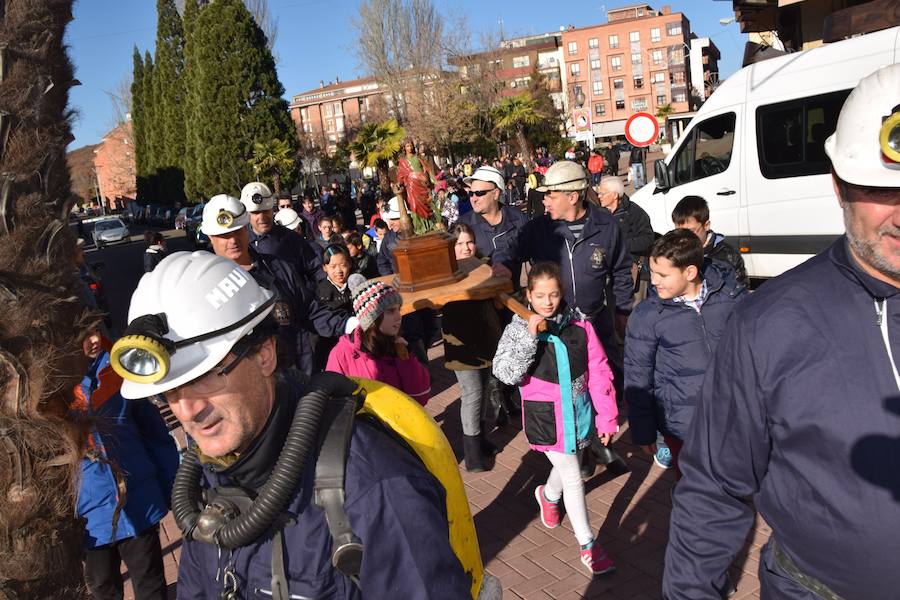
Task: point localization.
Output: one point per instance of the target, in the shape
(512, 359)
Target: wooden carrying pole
(507, 301)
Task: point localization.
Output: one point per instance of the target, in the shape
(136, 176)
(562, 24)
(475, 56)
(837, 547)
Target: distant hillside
(81, 165)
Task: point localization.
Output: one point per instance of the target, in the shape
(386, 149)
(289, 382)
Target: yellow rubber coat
(410, 421)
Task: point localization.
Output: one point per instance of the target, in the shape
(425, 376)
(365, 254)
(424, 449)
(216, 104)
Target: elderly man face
(872, 221)
(609, 192)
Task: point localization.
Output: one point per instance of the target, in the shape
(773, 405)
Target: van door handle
(726, 193)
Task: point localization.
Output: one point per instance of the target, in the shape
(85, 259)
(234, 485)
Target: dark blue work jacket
(586, 263)
(395, 506)
(292, 248)
(298, 311)
(799, 415)
(498, 242)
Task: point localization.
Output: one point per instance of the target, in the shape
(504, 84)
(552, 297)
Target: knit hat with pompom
(371, 298)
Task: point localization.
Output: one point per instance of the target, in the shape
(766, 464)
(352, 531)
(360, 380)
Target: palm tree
(375, 145)
(273, 158)
(663, 112)
(44, 321)
(514, 115)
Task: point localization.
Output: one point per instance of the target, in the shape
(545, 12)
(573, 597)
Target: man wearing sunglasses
(200, 337)
(297, 311)
(269, 238)
(496, 225)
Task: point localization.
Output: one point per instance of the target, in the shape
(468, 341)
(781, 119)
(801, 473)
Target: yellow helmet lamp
(143, 353)
(889, 136)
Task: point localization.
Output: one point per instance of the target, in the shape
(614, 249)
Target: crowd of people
(656, 329)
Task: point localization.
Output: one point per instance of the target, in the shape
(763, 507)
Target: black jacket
(386, 263)
(635, 225)
(718, 249)
(292, 248)
(798, 418)
(497, 242)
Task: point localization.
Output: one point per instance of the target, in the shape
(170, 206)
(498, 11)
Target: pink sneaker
(596, 560)
(549, 510)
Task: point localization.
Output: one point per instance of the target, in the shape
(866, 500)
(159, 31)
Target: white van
(755, 152)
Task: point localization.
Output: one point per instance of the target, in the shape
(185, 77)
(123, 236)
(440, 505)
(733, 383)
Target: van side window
(790, 136)
(708, 152)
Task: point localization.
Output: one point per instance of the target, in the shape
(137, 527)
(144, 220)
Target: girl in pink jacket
(560, 373)
(375, 350)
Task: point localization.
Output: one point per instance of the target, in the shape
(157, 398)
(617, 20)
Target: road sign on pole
(642, 129)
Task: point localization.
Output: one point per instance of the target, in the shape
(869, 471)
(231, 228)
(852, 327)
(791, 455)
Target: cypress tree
(151, 129)
(168, 96)
(238, 99)
(138, 122)
(191, 188)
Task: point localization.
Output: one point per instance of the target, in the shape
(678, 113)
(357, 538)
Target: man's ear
(267, 357)
(837, 191)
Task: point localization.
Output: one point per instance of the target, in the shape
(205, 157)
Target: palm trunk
(384, 179)
(526, 149)
(276, 180)
(40, 335)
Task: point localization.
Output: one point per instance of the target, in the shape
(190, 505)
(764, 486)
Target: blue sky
(316, 40)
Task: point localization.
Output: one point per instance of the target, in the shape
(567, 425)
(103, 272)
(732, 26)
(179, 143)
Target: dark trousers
(143, 557)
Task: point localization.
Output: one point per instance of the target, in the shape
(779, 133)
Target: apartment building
(325, 114)
(634, 62)
(115, 167)
(511, 65)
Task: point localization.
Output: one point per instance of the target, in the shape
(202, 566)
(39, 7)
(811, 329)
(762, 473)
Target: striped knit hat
(371, 298)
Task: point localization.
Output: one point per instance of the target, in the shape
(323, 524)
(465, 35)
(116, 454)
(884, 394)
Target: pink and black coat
(561, 374)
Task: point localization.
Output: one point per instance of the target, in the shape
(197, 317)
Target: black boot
(588, 464)
(475, 462)
(605, 455)
(487, 446)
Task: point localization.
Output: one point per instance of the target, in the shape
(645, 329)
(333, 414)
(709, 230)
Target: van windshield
(708, 152)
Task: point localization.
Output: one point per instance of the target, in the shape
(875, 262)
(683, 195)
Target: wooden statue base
(426, 261)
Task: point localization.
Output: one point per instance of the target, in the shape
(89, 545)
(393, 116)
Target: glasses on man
(206, 385)
(481, 193)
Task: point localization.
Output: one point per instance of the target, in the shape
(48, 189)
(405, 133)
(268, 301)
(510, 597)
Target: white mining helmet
(223, 214)
(865, 147)
(564, 176)
(257, 197)
(185, 317)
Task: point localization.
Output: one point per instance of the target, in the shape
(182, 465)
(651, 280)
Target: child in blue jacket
(671, 337)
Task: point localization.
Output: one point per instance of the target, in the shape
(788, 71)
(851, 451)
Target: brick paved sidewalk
(631, 513)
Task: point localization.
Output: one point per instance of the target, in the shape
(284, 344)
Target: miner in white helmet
(253, 490)
(800, 410)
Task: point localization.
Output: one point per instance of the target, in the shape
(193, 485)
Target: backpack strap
(328, 489)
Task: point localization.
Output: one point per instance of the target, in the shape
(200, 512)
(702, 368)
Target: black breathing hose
(275, 494)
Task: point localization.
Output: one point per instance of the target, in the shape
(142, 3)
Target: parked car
(181, 217)
(755, 151)
(192, 227)
(108, 231)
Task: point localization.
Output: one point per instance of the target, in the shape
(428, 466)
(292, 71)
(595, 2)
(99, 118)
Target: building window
(638, 81)
(679, 97)
(520, 61)
(613, 42)
(676, 56)
(639, 104)
(520, 82)
(595, 64)
(577, 89)
(616, 63)
(619, 84)
(593, 43)
(676, 77)
(575, 69)
(599, 109)
(573, 48)
(658, 78)
(329, 125)
(634, 37)
(661, 99)
(657, 57)
(635, 58)
(673, 28)
(655, 34)
(598, 88)
(620, 103)
(329, 111)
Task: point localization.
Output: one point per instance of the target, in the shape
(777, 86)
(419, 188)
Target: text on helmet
(227, 288)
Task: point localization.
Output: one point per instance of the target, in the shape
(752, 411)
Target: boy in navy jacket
(670, 338)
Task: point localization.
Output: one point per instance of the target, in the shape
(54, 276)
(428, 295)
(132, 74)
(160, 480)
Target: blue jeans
(637, 175)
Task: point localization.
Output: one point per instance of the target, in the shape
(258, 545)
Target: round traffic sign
(642, 129)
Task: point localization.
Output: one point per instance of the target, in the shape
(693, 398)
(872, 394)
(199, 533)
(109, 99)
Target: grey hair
(612, 184)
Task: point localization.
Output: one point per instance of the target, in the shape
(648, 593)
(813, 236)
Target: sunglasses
(481, 193)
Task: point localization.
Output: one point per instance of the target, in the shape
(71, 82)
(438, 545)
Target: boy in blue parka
(671, 337)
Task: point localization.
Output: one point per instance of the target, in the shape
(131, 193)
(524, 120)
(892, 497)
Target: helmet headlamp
(225, 218)
(143, 353)
(889, 136)
(257, 199)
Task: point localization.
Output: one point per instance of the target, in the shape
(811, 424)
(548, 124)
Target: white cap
(288, 217)
(393, 209)
(489, 174)
(223, 214)
(257, 197)
(869, 115)
(198, 293)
